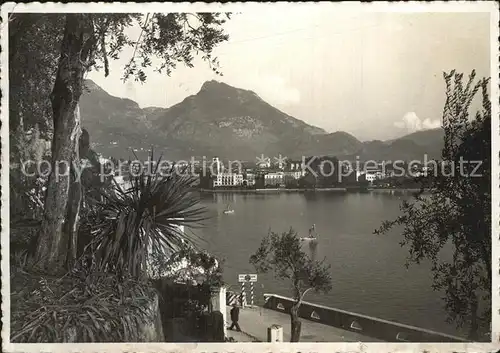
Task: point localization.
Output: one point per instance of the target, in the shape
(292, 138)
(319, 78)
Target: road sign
(247, 278)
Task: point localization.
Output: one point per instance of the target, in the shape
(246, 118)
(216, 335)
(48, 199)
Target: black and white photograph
(238, 173)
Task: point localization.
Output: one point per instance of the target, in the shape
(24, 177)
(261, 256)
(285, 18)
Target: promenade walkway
(255, 321)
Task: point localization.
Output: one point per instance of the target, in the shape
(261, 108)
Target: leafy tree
(308, 181)
(25, 183)
(88, 41)
(283, 254)
(458, 209)
(188, 265)
(34, 47)
(327, 169)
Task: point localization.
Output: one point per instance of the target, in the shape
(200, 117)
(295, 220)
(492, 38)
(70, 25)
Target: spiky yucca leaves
(145, 218)
(98, 307)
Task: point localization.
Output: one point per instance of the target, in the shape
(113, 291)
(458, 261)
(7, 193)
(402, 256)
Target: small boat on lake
(228, 210)
(311, 237)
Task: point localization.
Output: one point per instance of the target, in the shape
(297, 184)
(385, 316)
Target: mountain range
(232, 123)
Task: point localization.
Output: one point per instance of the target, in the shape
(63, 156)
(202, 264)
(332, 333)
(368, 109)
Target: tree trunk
(69, 245)
(296, 324)
(76, 54)
(474, 325)
(75, 196)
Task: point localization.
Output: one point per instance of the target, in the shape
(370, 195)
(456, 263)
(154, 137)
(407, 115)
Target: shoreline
(394, 189)
(275, 191)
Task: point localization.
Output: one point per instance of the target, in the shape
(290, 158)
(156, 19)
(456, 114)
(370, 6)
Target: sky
(374, 75)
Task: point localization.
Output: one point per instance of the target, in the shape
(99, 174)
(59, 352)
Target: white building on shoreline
(228, 179)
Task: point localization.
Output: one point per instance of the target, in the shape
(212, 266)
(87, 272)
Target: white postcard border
(404, 7)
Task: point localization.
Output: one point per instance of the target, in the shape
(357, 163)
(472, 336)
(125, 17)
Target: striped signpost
(243, 294)
(251, 294)
(247, 278)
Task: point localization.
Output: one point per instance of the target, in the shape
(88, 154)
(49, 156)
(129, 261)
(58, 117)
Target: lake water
(368, 272)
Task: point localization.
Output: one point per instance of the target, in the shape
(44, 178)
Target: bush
(144, 218)
(76, 308)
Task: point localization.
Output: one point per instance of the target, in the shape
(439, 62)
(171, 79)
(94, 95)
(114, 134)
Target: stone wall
(152, 330)
(366, 325)
(218, 303)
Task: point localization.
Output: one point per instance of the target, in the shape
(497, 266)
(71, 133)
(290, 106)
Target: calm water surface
(368, 270)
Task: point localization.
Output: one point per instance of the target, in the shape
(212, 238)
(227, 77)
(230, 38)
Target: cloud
(412, 122)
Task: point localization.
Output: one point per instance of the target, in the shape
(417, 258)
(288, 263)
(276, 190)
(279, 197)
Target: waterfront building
(249, 179)
(228, 179)
(291, 179)
(371, 177)
(274, 179)
(280, 164)
(364, 175)
(295, 169)
(295, 166)
(216, 165)
(374, 172)
(293, 174)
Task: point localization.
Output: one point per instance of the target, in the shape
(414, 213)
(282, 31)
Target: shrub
(94, 308)
(144, 219)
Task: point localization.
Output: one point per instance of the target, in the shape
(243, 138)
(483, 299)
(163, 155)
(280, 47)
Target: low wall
(152, 331)
(218, 302)
(368, 326)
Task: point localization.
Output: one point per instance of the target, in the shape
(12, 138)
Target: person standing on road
(235, 316)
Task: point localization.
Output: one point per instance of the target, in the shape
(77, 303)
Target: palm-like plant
(145, 219)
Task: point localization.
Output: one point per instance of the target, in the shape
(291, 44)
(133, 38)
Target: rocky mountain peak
(91, 86)
(219, 120)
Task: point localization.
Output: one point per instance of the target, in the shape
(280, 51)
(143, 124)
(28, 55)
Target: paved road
(255, 321)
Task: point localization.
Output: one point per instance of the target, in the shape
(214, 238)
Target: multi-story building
(280, 163)
(371, 177)
(274, 179)
(291, 178)
(295, 166)
(297, 174)
(217, 166)
(228, 179)
(249, 179)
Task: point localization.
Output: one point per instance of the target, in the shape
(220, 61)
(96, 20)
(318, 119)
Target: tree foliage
(45, 87)
(175, 38)
(458, 210)
(187, 265)
(282, 254)
(34, 49)
(26, 183)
